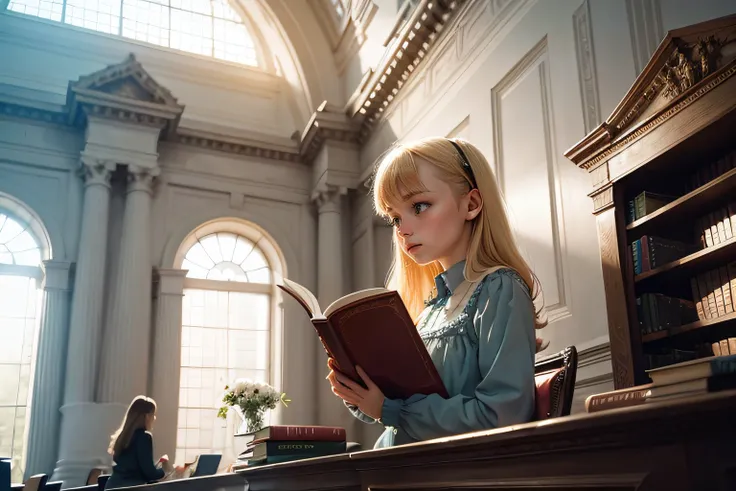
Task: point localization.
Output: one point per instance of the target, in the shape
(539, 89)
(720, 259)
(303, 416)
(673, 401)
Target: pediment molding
(124, 92)
(688, 63)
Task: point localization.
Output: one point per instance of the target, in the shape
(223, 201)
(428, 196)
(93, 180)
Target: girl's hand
(369, 400)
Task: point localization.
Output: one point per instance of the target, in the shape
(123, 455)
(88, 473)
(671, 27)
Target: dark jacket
(134, 465)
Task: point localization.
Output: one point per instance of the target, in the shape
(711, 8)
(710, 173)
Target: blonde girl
(464, 281)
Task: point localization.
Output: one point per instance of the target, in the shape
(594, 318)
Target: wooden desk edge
(569, 431)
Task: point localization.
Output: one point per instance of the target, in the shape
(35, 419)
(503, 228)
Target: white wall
(40, 58)
(507, 79)
(37, 166)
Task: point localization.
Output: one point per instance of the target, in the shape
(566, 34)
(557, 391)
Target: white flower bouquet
(252, 398)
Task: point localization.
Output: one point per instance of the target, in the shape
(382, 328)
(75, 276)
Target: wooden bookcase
(673, 134)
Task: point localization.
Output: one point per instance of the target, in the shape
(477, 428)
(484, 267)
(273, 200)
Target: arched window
(20, 301)
(205, 27)
(227, 319)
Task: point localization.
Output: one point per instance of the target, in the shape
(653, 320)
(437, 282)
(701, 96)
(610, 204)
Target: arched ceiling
(294, 45)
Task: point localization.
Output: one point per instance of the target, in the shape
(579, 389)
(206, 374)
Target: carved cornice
(238, 145)
(689, 63)
(402, 57)
(43, 115)
(327, 123)
(660, 118)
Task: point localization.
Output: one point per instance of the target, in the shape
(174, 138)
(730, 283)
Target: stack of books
(681, 380)
(282, 443)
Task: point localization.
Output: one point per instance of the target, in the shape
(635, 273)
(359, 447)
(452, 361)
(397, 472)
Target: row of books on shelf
(717, 227)
(714, 292)
(679, 380)
(668, 356)
(647, 202)
(657, 312)
(650, 252)
(726, 346)
(706, 173)
(286, 443)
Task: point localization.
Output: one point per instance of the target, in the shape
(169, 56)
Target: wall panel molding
(645, 29)
(587, 74)
(536, 64)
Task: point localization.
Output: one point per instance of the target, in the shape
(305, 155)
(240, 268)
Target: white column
(126, 346)
(77, 454)
(167, 358)
(48, 380)
(89, 284)
(332, 411)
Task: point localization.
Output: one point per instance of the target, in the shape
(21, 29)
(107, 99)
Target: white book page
(352, 297)
(307, 296)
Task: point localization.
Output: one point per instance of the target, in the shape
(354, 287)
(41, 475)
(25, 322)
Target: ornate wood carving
(602, 199)
(689, 63)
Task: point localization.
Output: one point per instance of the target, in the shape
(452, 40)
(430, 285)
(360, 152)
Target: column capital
(171, 281)
(56, 275)
(96, 171)
(141, 178)
(327, 198)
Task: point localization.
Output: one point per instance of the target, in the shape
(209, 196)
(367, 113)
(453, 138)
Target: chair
(53, 486)
(554, 377)
(93, 475)
(4, 474)
(36, 482)
(102, 481)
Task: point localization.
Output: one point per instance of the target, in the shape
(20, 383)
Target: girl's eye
(420, 207)
(394, 221)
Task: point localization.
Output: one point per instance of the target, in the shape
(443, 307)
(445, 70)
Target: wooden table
(689, 444)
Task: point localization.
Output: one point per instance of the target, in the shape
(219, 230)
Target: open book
(372, 328)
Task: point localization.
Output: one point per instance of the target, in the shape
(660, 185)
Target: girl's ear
(475, 204)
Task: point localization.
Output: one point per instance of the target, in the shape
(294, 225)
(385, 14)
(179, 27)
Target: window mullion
(120, 20)
(169, 36)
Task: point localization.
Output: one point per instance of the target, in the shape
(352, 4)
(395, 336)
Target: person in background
(131, 447)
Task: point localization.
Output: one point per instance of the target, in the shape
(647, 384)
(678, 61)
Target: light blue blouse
(484, 355)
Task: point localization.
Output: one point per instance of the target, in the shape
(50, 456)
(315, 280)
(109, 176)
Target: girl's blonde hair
(135, 419)
(491, 241)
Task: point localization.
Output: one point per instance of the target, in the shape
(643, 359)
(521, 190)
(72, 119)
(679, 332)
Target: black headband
(465, 163)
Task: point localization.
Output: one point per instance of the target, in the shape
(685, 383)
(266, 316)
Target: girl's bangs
(396, 177)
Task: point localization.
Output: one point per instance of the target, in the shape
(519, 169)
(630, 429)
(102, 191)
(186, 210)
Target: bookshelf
(663, 167)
